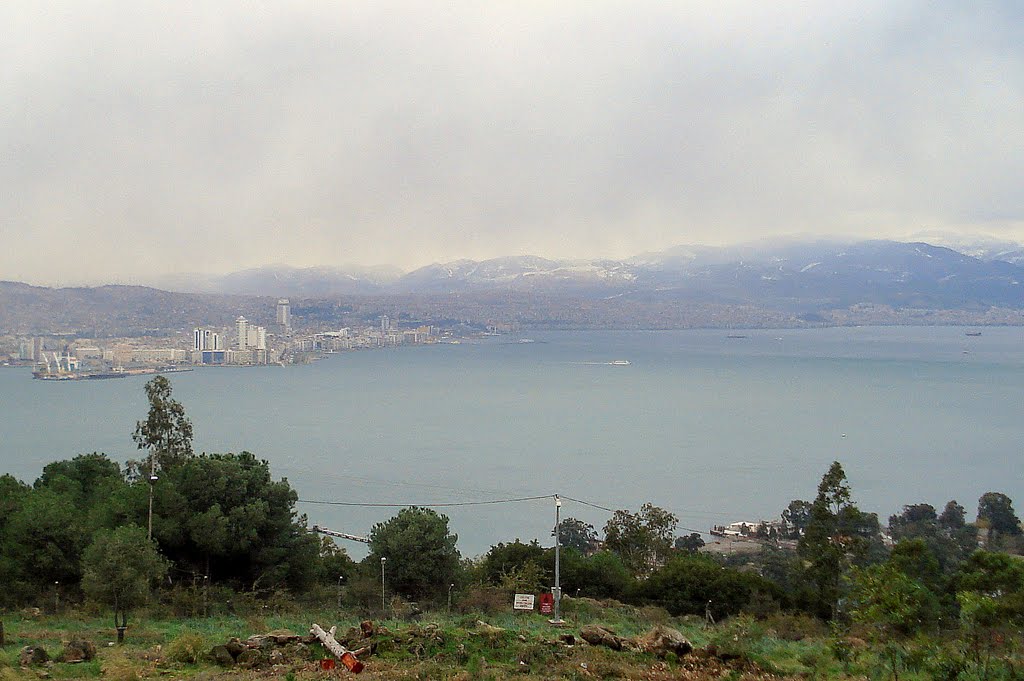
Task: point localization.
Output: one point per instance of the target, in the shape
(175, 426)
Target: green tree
(420, 553)
(953, 516)
(838, 535)
(642, 540)
(946, 536)
(796, 516)
(601, 575)
(224, 516)
(915, 559)
(996, 509)
(576, 534)
(120, 568)
(12, 495)
(44, 538)
(686, 583)
(892, 606)
(691, 543)
(997, 576)
(167, 432)
(506, 558)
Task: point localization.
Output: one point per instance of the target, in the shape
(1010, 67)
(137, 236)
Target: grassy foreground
(443, 646)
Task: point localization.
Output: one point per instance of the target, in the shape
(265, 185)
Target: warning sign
(523, 602)
(547, 604)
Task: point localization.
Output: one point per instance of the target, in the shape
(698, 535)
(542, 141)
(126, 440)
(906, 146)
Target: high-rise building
(385, 324)
(284, 314)
(242, 329)
(256, 337)
(205, 339)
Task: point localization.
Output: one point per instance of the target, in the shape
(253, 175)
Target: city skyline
(211, 139)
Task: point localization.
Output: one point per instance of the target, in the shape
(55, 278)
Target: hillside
(766, 285)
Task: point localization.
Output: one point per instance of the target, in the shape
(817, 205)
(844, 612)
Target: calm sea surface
(715, 429)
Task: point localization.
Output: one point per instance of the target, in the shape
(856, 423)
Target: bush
(117, 667)
(789, 627)
(483, 599)
(187, 648)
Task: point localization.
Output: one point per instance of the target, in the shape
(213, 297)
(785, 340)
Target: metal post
(450, 587)
(556, 591)
(152, 481)
(340, 577)
(383, 607)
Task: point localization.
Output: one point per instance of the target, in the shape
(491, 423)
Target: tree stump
(338, 650)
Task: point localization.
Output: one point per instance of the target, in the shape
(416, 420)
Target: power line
(441, 505)
(489, 502)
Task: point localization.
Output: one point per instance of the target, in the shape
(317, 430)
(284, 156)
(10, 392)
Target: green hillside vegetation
(223, 553)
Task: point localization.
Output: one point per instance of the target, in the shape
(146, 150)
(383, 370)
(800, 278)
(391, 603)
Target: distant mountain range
(804, 274)
(781, 284)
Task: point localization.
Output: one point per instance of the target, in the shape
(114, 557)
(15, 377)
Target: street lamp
(556, 590)
(383, 607)
(450, 587)
(340, 578)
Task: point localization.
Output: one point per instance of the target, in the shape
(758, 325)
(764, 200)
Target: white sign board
(523, 602)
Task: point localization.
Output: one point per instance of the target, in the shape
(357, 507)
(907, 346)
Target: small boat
(619, 362)
(973, 333)
(735, 335)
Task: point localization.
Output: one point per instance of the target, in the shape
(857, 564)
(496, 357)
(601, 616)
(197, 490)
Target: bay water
(711, 427)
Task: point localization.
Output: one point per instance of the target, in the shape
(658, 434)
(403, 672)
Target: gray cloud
(149, 137)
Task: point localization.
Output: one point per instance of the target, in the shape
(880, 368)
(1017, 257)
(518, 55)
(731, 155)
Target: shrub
(187, 648)
(483, 599)
(117, 667)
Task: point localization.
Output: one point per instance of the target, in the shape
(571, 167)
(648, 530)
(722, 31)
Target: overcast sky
(143, 138)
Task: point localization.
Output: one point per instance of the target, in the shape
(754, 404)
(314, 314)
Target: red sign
(547, 604)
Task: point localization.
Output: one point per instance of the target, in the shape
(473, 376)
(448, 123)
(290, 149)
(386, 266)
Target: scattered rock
(597, 635)
(78, 650)
(31, 655)
(712, 651)
(567, 639)
(250, 658)
(489, 629)
(235, 647)
(222, 656)
(662, 640)
(283, 636)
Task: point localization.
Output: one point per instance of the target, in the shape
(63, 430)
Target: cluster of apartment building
(370, 337)
(250, 345)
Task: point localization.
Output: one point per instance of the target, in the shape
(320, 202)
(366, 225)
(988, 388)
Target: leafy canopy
(420, 555)
(167, 431)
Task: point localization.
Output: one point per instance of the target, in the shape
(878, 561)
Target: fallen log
(338, 650)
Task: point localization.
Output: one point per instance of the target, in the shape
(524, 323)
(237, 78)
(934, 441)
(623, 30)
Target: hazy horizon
(143, 140)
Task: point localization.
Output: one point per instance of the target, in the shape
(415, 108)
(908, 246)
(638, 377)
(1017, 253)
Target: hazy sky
(146, 137)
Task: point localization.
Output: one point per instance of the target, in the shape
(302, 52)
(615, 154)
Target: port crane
(340, 535)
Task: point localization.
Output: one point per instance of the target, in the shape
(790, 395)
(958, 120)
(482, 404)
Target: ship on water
(65, 367)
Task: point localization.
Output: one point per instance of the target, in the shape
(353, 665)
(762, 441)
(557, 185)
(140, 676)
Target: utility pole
(152, 481)
(383, 607)
(556, 590)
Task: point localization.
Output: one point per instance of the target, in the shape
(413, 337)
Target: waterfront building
(205, 339)
(284, 315)
(242, 330)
